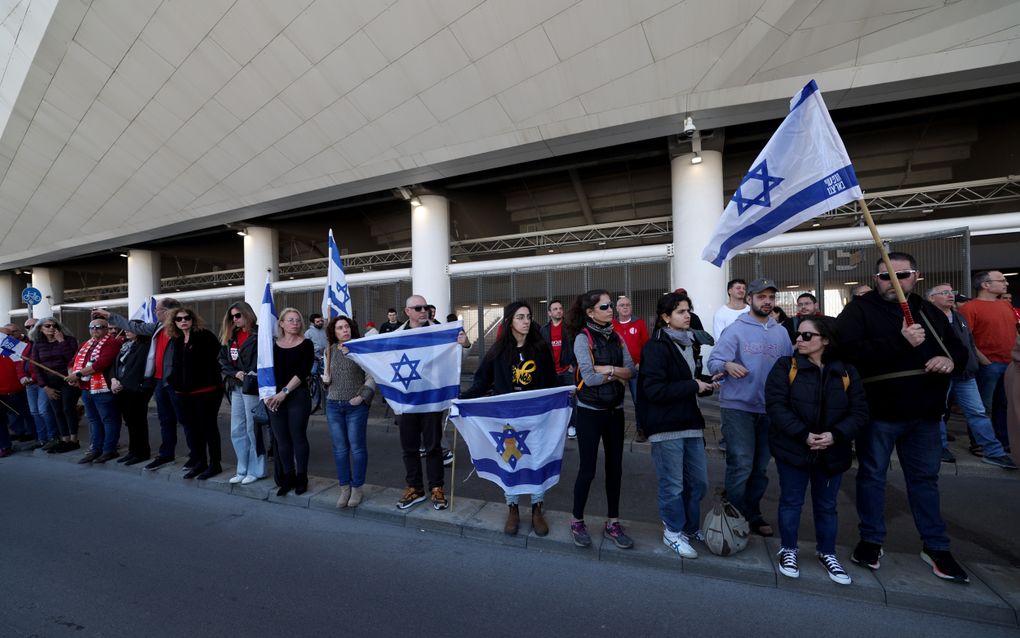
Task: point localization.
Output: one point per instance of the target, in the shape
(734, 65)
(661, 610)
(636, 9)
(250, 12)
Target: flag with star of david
(336, 299)
(516, 440)
(416, 370)
(802, 172)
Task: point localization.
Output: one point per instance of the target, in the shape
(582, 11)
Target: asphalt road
(101, 553)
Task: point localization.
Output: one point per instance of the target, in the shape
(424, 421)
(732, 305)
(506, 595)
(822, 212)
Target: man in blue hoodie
(745, 353)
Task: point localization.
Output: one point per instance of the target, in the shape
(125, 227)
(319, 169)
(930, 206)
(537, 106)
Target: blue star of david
(768, 182)
(342, 295)
(517, 448)
(412, 365)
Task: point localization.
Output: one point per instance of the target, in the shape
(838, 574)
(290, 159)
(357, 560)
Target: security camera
(689, 127)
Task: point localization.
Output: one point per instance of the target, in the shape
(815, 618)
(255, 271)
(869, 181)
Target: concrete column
(144, 271)
(6, 297)
(430, 252)
(697, 206)
(261, 254)
(50, 283)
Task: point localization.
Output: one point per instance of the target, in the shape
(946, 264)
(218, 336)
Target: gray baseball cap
(761, 285)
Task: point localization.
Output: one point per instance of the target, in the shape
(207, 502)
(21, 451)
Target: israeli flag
(802, 172)
(267, 334)
(146, 312)
(12, 348)
(415, 370)
(336, 300)
(516, 440)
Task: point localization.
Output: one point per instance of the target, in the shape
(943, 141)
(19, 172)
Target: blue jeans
(168, 408)
(793, 481)
(536, 498)
(747, 460)
(991, 384)
(965, 393)
(917, 446)
(347, 424)
(682, 469)
(104, 420)
(39, 406)
(242, 434)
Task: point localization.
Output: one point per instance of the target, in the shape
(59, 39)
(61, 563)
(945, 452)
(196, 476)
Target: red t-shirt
(634, 334)
(993, 325)
(162, 339)
(235, 350)
(556, 336)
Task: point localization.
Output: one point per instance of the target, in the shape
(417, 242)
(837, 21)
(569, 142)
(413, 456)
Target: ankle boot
(356, 496)
(345, 496)
(287, 482)
(513, 520)
(301, 483)
(538, 524)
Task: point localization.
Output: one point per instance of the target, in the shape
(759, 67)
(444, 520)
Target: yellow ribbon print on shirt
(522, 373)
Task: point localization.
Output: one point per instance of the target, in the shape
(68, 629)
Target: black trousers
(593, 426)
(65, 407)
(425, 428)
(200, 411)
(290, 431)
(134, 408)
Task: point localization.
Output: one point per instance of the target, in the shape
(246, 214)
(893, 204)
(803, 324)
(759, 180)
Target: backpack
(726, 530)
(793, 374)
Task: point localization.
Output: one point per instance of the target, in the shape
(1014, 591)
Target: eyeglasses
(236, 315)
(949, 293)
(605, 306)
(418, 308)
(807, 336)
(900, 274)
(997, 281)
(98, 327)
(180, 318)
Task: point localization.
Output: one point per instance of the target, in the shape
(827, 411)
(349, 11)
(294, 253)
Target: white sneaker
(248, 480)
(679, 543)
(236, 479)
(788, 563)
(571, 432)
(835, 571)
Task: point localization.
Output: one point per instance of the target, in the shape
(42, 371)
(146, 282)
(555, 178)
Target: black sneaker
(158, 462)
(1003, 460)
(944, 565)
(447, 457)
(947, 456)
(867, 555)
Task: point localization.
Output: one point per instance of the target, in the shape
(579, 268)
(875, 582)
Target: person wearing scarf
(89, 371)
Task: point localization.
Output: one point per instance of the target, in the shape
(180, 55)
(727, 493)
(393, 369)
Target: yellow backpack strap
(846, 380)
(793, 369)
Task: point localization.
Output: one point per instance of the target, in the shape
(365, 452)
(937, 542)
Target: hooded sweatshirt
(755, 346)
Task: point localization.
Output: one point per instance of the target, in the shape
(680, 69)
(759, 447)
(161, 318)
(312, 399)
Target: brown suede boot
(513, 520)
(538, 524)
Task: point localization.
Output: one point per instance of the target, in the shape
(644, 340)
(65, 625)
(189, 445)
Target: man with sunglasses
(906, 371)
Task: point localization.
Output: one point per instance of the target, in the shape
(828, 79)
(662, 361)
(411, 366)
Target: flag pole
(902, 298)
(39, 365)
(16, 413)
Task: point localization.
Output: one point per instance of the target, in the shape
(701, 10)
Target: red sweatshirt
(634, 334)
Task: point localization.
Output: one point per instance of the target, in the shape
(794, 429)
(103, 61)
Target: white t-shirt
(724, 316)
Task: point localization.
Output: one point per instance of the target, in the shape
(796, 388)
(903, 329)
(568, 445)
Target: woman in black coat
(133, 391)
(816, 405)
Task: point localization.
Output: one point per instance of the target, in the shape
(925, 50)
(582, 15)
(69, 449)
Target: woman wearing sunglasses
(54, 347)
(603, 368)
(195, 378)
(238, 363)
(816, 405)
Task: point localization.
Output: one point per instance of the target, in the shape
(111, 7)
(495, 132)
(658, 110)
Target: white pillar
(261, 254)
(6, 297)
(430, 252)
(144, 271)
(697, 207)
(50, 283)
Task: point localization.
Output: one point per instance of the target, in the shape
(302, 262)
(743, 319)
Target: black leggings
(290, 429)
(200, 411)
(134, 408)
(65, 408)
(592, 426)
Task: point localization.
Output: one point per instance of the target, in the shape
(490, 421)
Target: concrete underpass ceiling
(128, 122)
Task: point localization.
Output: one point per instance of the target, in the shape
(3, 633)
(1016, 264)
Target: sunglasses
(605, 306)
(418, 308)
(900, 274)
(235, 315)
(807, 336)
(181, 318)
(98, 327)
(49, 325)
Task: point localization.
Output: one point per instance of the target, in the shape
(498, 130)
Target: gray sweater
(346, 378)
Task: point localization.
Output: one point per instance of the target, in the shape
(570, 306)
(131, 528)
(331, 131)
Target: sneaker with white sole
(235, 479)
(835, 571)
(788, 563)
(248, 480)
(944, 565)
(679, 543)
(412, 496)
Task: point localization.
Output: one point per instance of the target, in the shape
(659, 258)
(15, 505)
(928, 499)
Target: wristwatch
(78, 374)
(285, 390)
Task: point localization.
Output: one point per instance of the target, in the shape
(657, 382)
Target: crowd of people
(810, 392)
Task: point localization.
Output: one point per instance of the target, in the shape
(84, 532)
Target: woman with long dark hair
(238, 361)
(54, 347)
(816, 406)
(348, 396)
(603, 368)
(196, 380)
(519, 360)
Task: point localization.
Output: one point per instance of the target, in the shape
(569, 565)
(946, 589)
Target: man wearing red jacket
(91, 370)
(635, 334)
(14, 408)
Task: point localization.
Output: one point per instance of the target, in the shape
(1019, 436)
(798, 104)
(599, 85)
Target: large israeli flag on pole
(516, 440)
(802, 172)
(146, 312)
(267, 334)
(415, 370)
(336, 300)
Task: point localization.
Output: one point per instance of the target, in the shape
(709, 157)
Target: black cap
(761, 285)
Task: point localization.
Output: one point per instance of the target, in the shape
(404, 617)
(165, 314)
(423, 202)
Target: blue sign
(31, 296)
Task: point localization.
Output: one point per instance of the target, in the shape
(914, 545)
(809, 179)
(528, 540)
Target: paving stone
(559, 538)
(487, 525)
(1001, 579)
(909, 582)
(259, 490)
(814, 579)
(220, 482)
(315, 485)
(752, 566)
(424, 516)
(648, 548)
(382, 506)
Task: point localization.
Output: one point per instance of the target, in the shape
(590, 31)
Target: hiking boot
(439, 499)
(614, 532)
(944, 565)
(679, 543)
(832, 567)
(513, 520)
(867, 555)
(1003, 460)
(580, 534)
(412, 496)
(788, 562)
(947, 456)
(538, 524)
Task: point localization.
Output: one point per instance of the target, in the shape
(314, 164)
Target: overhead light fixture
(415, 202)
(927, 210)
(696, 159)
(695, 146)
(243, 232)
(124, 255)
(794, 286)
(815, 225)
(850, 283)
(689, 127)
(1010, 274)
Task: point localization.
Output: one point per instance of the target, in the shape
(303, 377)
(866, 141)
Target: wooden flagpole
(453, 466)
(902, 298)
(39, 365)
(16, 413)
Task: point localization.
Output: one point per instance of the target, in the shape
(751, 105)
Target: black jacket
(667, 392)
(195, 362)
(567, 347)
(815, 402)
(247, 361)
(514, 370)
(605, 352)
(129, 367)
(869, 330)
